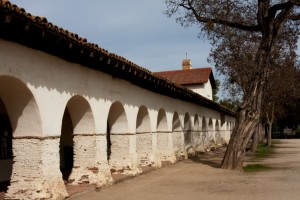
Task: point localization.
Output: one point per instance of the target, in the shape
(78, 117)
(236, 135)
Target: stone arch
(21, 106)
(187, 130)
(177, 135)
(77, 139)
(144, 137)
(118, 138)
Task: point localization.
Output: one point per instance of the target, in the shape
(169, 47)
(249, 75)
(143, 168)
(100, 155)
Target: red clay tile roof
(189, 77)
(36, 32)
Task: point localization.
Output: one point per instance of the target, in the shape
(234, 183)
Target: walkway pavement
(202, 178)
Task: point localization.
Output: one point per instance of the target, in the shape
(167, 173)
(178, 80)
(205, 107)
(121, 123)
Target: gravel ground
(201, 178)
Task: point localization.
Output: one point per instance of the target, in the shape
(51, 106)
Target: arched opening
(204, 133)
(196, 136)
(177, 136)
(218, 136)
(211, 133)
(117, 137)
(6, 157)
(163, 145)
(20, 121)
(66, 147)
(162, 129)
(144, 137)
(77, 125)
(196, 123)
(187, 130)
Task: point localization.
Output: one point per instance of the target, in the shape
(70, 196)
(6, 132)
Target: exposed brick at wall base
(196, 138)
(145, 152)
(123, 157)
(89, 167)
(178, 144)
(220, 137)
(36, 173)
(165, 147)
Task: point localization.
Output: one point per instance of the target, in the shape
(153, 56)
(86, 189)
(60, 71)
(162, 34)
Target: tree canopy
(250, 39)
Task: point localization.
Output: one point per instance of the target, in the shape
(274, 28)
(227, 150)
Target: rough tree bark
(255, 139)
(247, 120)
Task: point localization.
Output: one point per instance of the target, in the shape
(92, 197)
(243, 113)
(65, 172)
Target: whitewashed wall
(37, 88)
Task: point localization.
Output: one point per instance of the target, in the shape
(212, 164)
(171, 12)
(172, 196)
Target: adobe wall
(99, 105)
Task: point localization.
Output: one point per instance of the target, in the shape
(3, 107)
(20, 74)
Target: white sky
(135, 29)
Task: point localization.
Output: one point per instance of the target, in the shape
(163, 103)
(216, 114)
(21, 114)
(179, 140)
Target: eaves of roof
(36, 32)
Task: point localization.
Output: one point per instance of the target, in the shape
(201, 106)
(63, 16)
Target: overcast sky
(135, 29)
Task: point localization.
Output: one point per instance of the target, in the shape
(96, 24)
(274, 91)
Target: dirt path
(202, 179)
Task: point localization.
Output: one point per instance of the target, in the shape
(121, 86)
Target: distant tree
(282, 88)
(216, 90)
(232, 104)
(264, 21)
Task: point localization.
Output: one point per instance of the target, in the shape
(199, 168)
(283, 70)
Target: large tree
(263, 20)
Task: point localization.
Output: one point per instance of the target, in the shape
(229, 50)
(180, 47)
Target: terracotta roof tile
(188, 77)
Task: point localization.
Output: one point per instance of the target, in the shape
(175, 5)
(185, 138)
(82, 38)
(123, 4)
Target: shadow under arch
(78, 119)
(187, 130)
(196, 134)
(144, 146)
(218, 137)
(177, 136)
(118, 139)
(163, 139)
(21, 106)
(19, 119)
(211, 133)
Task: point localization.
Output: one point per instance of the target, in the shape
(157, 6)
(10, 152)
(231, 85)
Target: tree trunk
(255, 139)
(247, 121)
(270, 119)
(269, 138)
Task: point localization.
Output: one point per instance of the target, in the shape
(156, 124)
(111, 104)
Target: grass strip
(262, 151)
(255, 168)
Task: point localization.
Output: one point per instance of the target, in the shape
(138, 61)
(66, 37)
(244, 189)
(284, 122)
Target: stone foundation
(165, 149)
(145, 151)
(178, 145)
(123, 157)
(89, 167)
(36, 173)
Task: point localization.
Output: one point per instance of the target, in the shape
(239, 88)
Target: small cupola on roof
(186, 64)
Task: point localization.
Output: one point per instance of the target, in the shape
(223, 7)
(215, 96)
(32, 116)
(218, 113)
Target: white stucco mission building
(72, 111)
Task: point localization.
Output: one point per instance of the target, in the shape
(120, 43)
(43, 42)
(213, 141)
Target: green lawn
(262, 151)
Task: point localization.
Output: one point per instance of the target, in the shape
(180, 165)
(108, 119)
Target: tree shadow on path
(211, 158)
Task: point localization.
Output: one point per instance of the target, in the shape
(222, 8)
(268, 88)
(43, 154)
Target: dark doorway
(6, 155)
(108, 140)
(66, 149)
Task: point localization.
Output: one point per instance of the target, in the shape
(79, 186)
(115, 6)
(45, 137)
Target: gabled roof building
(199, 80)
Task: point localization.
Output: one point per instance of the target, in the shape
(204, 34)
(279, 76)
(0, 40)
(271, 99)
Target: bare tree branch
(188, 5)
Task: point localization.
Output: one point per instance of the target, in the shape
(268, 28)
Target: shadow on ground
(211, 158)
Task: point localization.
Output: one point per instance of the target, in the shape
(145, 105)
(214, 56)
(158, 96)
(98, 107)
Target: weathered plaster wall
(42, 87)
